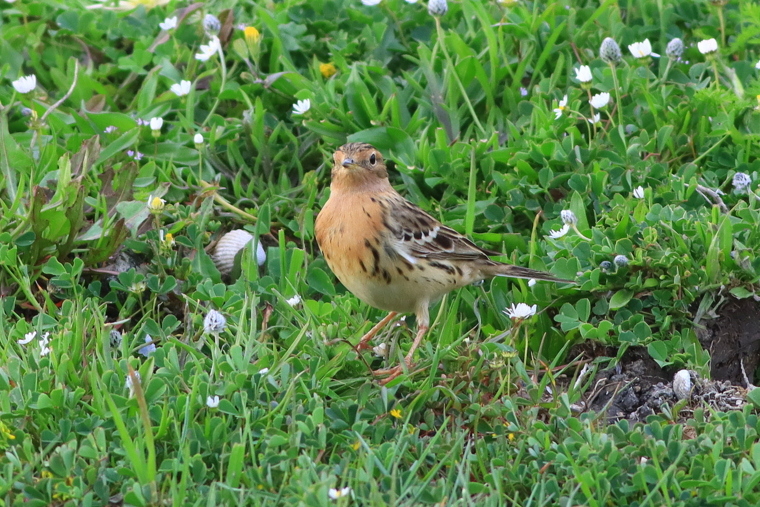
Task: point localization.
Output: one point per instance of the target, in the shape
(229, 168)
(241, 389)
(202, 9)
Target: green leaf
(620, 299)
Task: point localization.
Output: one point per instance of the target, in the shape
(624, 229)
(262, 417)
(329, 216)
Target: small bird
(391, 254)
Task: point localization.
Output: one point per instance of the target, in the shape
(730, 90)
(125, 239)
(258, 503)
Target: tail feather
(513, 271)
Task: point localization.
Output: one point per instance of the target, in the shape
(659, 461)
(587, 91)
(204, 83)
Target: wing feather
(417, 235)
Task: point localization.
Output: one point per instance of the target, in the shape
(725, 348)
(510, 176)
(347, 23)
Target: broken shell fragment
(230, 245)
(682, 384)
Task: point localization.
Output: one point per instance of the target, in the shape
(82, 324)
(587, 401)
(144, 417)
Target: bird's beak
(348, 162)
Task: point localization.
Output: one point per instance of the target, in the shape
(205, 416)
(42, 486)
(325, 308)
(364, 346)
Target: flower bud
(674, 49)
(211, 24)
(438, 7)
(620, 260)
(568, 217)
(610, 52)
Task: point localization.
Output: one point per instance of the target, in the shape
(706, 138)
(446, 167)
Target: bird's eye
(372, 159)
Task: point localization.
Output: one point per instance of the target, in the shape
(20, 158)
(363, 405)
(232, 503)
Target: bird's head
(358, 164)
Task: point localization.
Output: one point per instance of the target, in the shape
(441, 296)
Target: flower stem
(452, 69)
(221, 89)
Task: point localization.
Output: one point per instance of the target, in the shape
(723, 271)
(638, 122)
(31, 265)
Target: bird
(390, 253)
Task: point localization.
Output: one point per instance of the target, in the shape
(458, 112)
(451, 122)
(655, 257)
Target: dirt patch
(733, 337)
(637, 387)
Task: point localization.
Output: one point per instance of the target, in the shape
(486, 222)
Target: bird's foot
(392, 373)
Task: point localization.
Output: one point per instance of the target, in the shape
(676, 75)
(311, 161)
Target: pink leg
(363, 343)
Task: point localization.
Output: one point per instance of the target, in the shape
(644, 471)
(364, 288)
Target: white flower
(741, 181)
(381, 350)
(757, 65)
(28, 337)
(595, 119)
(198, 138)
(168, 23)
(182, 88)
(209, 50)
(523, 91)
(212, 401)
(600, 100)
(334, 494)
(44, 342)
(638, 192)
(520, 311)
(148, 349)
(411, 1)
(25, 84)
(583, 74)
(294, 300)
(370, 3)
(642, 49)
(437, 7)
(562, 107)
(263, 371)
(130, 385)
(558, 234)
(531, 282)
(109, 129)
(568, 217)
(156, 123)
(301, 106)
(214, 322)
(707, 46)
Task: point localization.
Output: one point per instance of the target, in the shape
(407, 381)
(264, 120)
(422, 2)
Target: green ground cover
(143, 131)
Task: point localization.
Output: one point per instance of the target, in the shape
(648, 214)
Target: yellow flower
(251, 34)
(355, 446)
(156, 204)
(511, 436)
(396, 413)
(327, 69)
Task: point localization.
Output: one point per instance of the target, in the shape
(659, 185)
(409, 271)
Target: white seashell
(228, 247)
(682, 384)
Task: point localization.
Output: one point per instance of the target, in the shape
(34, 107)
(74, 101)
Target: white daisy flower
(583, 74)
(182, 88)
(521, 311)
(558, 234)
(707, 46)
(168, 23)
(600, 100)
(209, 50)
(301, 106)
(25, 84)
(28, 337)
(561, 108)
(334, 494)
(642, 49)
(156, 123)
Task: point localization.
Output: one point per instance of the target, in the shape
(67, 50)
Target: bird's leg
(394, 372)
(363, 343)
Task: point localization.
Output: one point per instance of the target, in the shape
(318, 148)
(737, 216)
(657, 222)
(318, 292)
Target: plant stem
(452, 69)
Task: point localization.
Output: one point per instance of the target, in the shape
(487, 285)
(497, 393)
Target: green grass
(463, 108)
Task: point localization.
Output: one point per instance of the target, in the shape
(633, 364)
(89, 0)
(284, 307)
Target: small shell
(228, 247)
(682, 384)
